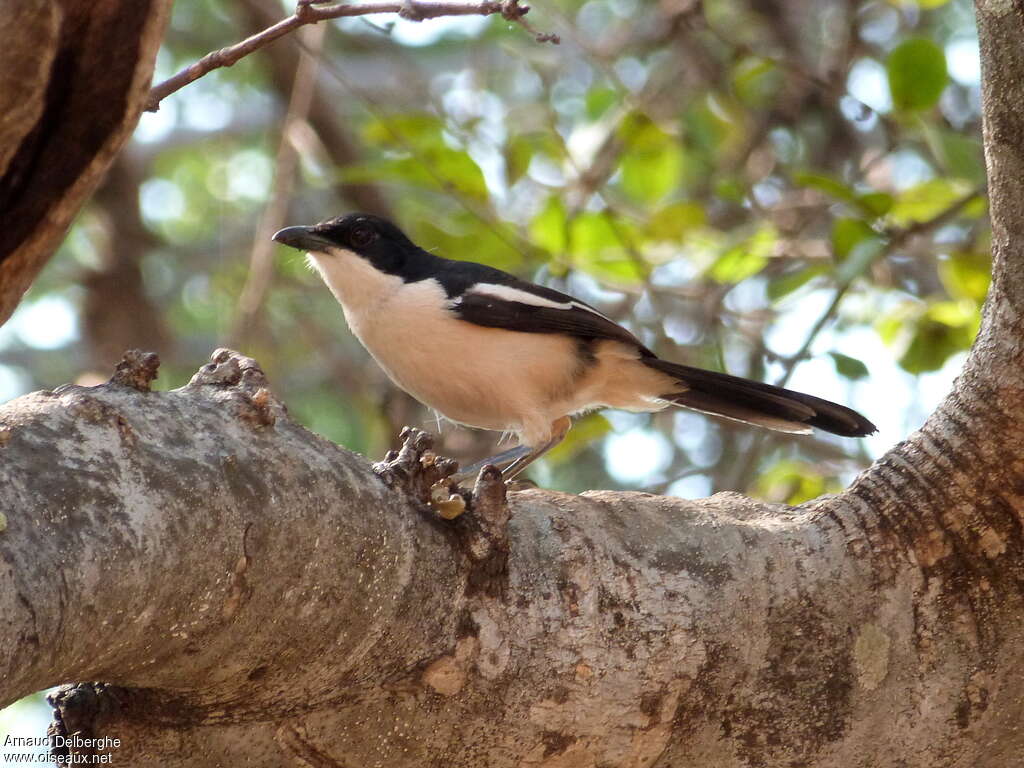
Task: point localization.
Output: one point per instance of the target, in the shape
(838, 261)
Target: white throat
(358, 286)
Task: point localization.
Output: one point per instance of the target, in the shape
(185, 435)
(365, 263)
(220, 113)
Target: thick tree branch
(1001, 32)
(312, 13)
(228, 415)
(23, 78)
(73, 78)
(249, 591)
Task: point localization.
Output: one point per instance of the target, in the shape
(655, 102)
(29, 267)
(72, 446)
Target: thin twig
(895, 239)
(261, 266)
(311, 13)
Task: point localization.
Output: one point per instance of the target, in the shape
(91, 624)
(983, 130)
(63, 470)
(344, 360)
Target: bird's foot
(434, 481)
(426, 476)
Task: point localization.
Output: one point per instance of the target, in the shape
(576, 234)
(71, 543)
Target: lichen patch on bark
(871, 655)
(447, 675)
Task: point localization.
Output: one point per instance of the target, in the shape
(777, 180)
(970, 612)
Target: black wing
(516, 305)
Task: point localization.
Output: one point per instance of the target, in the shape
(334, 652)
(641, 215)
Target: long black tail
(757, 403)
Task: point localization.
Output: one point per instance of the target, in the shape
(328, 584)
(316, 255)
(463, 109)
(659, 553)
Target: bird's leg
(503, 459)
(517, 459)
(559, 428)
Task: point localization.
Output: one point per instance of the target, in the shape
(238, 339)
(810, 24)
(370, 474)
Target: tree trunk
(251, 593)
(74, 75)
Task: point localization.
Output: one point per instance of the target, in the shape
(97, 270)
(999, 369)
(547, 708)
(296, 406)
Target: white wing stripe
(508, 293)
(592, 311)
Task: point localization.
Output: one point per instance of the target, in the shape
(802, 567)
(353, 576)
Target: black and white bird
(486, 349)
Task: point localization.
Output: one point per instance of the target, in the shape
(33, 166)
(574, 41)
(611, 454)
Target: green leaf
(584, 432)
(550, 228)
(736, 264)
(929, 348)
(927, 200)
(445, 169)
(716, 123)
(942, 330)
(522, 148)
(462, 235)
(861, 257)
(830, 186)
(847, 233)
(651, 175)
(418, 129)
(849, 367)
(731, 189)
(675, 221)
(925, 4)
(917, 74)
(415, 151)
(875, 203)
(637, 130)
(896, 322)
(598, 245)
(456, 169)
(792, 482)
(955, 314)
(590, 232)
(746, 259)
(962, 156)
(870, 203)
(786, 283)
(966, 274)
(518, 156)
(599, 99)
(652, 162)
(756, 80)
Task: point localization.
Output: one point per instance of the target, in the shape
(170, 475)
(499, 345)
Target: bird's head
(363, 235)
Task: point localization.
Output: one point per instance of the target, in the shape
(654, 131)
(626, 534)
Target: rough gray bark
(73, 78)
(250, 593)
(257, 593)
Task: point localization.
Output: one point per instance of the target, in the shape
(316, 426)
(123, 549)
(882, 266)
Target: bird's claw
(433, 481)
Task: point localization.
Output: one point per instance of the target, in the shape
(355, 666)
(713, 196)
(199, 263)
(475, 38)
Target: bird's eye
(362, 235)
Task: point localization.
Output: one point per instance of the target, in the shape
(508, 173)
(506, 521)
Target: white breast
(356, 284)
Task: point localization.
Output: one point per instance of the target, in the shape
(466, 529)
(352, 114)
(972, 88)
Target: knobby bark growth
(247, 591)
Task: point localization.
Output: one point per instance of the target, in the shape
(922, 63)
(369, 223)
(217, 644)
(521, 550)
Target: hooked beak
(303, 238)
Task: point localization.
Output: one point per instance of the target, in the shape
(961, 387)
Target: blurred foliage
(787, 190)
(917, 74)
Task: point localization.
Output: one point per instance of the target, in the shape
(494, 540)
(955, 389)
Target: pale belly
(480, 377)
